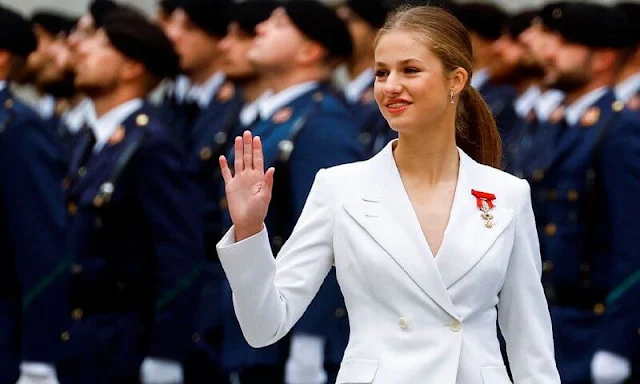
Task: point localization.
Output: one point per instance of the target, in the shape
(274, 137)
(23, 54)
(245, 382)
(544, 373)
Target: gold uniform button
(142, 120)
(77, 269)
(547, 266)
(65, 336)
(340, 312)
(572, 195)
(77, 314)
(455, 325)
(550, 229)
(196, 337)
(403, 323)
(598, 309)
(224, 204)
(617, 105)
(318, 96)
(538, 175)
(72, 209)
(8, 104)
(205, 153)
(82, 171)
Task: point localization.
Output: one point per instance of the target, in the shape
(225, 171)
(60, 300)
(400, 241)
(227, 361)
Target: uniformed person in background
(33, 288)
(484, 23)
(195, 28)
(303, 129)
(47, 25)
(628, 79)
(588, 190)
(364, 18)
(134, 226)
(516, 66)
(164, 12)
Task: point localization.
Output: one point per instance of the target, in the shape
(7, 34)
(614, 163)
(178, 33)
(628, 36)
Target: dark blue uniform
(587, 193)
(312, 132)
(136, 236)
(374, 129)
(33, 283)
(210, 137)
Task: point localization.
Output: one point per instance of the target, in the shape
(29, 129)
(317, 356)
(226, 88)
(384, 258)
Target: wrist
(38, 369)
(247, 231)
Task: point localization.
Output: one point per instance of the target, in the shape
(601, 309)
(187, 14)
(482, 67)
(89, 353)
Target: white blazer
(414, 318)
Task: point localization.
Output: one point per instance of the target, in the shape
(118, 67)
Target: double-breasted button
(547, 266)
(403, 323)
(572, 195)
(72, 208)
(65, 336)
(142, 120)
(77, 314)
(196, 337)
(82, 171)
(538, 175)
(340, 312)
(205, 153)
(77, 269)
(598, 309)
(550, 229)
(455, 325)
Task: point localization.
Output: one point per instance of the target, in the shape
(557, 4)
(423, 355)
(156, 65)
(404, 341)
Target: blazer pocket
(495, 375)
(357, 371)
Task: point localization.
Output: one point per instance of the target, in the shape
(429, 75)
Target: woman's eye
(381, 73)
(411, 70)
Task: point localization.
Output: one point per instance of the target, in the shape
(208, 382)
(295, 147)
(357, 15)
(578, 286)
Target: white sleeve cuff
(37, 369)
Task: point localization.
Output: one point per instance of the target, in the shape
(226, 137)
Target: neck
(358, 66)
(201, 76)
(107, 102)
(253, 89)
(595, 83)
(628, 71)
(279, 81)
(430, 158)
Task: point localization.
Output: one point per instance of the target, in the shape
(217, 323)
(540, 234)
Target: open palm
(249, 188)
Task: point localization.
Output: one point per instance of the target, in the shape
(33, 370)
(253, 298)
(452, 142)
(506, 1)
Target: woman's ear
(458, 79)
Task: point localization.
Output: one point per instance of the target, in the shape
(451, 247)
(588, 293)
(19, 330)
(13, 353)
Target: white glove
(161, 371)
(609, 368)
(37, 373)
(306, 360)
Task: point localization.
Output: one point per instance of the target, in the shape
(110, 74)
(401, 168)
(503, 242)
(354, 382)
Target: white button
(403, 323)
(455, 326)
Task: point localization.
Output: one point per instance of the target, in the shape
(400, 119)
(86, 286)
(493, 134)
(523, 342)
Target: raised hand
(249, 188)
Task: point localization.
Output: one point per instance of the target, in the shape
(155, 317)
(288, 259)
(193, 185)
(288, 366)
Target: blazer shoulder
(511, 191)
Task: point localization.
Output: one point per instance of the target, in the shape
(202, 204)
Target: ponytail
(476, 131)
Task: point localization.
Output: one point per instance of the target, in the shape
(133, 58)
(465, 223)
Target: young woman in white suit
(430, 241)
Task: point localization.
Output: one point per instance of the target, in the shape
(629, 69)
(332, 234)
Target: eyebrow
(404, 62)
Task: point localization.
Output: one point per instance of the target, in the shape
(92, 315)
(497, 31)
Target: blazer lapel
(467, 239)
(386, 213)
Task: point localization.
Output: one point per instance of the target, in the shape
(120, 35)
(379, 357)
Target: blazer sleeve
(270, 295)
(523, 313)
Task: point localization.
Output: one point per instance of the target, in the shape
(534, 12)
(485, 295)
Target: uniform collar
(203, 93)
(273, 103)
(628, 88)
(105, 126)
(525, 102)
(3, 84)
(46, 106)
(547, 103)
(579, 107)
(78, 116)
(249, 112)
(355, 88)
(180, 87)
(479, 78)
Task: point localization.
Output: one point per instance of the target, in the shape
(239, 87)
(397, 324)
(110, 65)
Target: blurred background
(77, 6)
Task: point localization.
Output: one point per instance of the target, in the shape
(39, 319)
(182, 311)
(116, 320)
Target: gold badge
(8, 103)
(318, 96)
(282, 116)
(205, 153)
(367, 97)
(556, 115)
(634, 103)
(117, 136)
(617, 106)
(226, 92)
(61, 107)
(590, 117)
(142, 120)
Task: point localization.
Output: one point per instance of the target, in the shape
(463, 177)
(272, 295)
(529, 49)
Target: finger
(224, 169)
(268, 179)
(237, 146)
(248, 150)
(258, 159)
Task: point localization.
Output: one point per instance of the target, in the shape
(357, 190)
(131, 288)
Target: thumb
(268, 178)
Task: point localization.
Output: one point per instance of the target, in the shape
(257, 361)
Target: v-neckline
(413, 222)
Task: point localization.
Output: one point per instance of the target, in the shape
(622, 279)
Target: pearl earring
(452, 101)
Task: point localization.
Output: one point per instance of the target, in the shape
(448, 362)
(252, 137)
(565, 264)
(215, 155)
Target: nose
(261, 28)
(392, 85)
